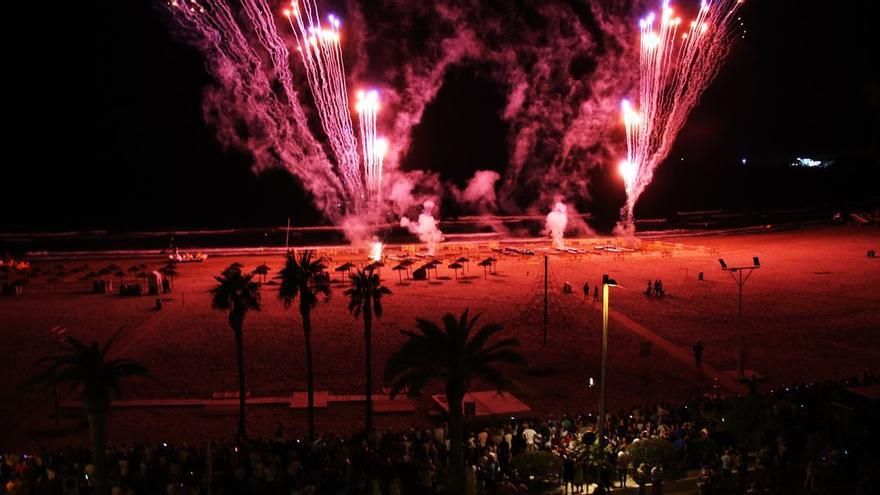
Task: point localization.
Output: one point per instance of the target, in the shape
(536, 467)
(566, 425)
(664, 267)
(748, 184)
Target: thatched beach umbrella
(400, 268)
(466, 262)
(427, 267)
(345, 267)
(456, 267)
(143, 276)
(408, 263)
(486, 263)
(434, 264)
(262, 270)
(169, 272)
(377, 265)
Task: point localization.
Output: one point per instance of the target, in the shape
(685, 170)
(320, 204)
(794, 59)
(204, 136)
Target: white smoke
(427, 227)
(479, 192)
(555, 224)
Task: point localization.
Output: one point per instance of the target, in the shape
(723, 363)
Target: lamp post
(607, 283)
(736, 273)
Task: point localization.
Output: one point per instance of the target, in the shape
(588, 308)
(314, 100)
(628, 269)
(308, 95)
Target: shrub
(653, 451)
(538, 469)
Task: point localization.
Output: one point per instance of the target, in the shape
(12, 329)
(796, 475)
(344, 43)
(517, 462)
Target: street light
(607, 283)
(740, 281)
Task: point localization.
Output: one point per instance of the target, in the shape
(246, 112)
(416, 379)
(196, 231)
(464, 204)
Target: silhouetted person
(586, 290)
(158, 304)
(658, 288)
(698, 353)
(700, 278)
(649, 289)
(657, 480)
(595, 293)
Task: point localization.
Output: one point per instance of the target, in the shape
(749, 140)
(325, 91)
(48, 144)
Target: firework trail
(237, 41)
(675, 67)
(243, 105)
(321, 54)
(372, 148)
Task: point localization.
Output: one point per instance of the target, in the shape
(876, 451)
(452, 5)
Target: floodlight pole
(546, 270)
(607, 283)
(287, 237)
(740, 282)
(602, 395)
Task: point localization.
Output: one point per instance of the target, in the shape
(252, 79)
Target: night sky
(105, 127)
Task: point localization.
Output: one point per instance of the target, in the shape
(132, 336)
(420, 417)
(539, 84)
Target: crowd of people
(797, 435)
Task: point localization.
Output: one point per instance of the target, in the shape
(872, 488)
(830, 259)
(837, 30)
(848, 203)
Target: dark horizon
(112, 137)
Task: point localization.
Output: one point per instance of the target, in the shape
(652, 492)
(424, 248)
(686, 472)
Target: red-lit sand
(812, 312)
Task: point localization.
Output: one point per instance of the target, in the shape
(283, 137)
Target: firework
(372, 148)
(321, 54)
(675, 67)
(376, 251)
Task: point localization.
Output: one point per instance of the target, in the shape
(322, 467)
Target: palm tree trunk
(368, 330)
(310, 374)
(454, 398)
(98, 429)
(239, 348)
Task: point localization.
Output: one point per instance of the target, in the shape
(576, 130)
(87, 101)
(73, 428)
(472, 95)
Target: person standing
(641, 476)
(568, 474)
(810, 478)
(586, 291)
(624, 460)
(595, 293)
(657, 479)
(529, 435)
(698, 353)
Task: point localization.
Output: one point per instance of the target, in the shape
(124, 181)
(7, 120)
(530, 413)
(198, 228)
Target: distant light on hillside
(809, 162)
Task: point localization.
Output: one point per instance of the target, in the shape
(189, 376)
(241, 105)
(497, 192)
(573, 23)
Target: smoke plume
(427, 227)
(555, 225)
(564, 66)
(479, 194)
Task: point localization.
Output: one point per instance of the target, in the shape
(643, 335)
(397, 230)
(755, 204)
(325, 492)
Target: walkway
(683, 355)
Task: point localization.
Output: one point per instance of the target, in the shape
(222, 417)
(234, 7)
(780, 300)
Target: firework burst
(676, 64)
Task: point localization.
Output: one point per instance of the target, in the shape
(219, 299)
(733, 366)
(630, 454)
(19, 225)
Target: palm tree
(456, 355)
(304, 278)
(237, 293)
(366, 297)
(261, 271)
(86, 367)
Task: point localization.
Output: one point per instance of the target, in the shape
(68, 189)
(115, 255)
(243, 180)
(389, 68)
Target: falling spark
(673, 73)
(372, 148)
(321, 54)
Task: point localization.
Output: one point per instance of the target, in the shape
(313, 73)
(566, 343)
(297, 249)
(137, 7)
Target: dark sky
(104, 125)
